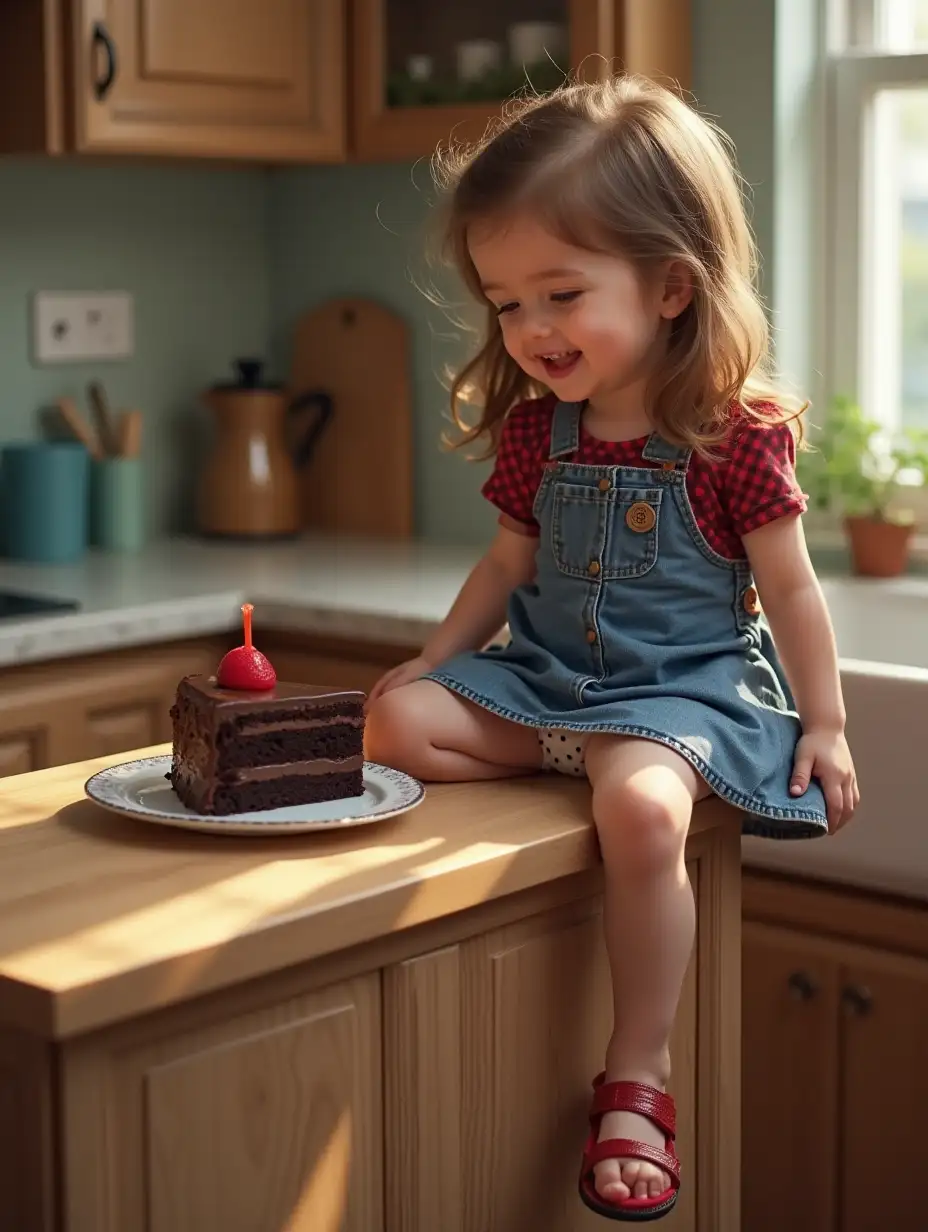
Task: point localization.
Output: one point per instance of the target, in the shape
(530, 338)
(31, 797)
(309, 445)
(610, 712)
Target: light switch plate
(71, 326)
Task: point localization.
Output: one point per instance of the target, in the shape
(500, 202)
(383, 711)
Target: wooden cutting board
(359, 480)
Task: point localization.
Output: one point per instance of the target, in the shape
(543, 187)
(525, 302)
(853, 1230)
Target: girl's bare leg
(643, 796)
(431, 733)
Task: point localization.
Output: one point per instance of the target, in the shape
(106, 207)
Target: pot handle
(305, 443)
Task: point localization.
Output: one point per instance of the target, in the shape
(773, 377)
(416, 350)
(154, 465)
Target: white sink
(882, 634)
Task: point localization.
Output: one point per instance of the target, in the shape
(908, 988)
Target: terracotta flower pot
(878, 549)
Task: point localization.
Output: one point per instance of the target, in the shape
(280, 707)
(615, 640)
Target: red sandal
(659, 1108)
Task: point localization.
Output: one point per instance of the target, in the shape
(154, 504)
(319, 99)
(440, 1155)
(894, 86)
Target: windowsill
(825, 534)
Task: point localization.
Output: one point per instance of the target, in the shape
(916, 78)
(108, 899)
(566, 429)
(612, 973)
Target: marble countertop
(392, 593)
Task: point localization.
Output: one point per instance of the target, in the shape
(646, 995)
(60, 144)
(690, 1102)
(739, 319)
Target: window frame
(856, 72)
(856, 78)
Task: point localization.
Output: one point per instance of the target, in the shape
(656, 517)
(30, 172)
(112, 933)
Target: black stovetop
(15, 604)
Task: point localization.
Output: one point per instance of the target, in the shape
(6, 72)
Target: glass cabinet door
(427, 69)
(439, 54)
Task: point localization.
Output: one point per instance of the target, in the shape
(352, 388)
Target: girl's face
(582, 323)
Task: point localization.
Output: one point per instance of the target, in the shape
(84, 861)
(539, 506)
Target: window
(878, 129)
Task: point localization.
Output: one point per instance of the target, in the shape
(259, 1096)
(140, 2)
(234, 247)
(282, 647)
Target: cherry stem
(247, 609)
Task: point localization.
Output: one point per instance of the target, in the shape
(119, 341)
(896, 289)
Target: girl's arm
(798, 616)
(801, 628)
(479, 611)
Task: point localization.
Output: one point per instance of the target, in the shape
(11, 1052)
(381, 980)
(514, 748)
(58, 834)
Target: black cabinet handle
(101, 38)
(802, 986)
(857, 999)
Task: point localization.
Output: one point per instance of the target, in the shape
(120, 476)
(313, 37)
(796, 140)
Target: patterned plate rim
(99, 789)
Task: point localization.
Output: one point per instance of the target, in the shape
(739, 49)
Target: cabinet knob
(802, 986)
(857, 999)
(100, 40)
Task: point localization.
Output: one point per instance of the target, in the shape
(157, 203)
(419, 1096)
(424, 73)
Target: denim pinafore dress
(635, 625)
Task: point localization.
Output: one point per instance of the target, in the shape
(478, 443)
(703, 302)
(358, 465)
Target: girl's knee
(638, 828)
(395, 733)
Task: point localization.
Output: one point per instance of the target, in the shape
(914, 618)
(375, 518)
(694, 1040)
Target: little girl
(649, 550)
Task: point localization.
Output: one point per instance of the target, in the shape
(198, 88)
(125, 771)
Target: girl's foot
(619, 1179)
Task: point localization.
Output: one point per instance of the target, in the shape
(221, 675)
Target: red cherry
(245, 668)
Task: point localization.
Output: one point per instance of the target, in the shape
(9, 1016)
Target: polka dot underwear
(563, 751)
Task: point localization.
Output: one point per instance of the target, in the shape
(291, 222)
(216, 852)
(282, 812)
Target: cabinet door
(884, 1041)
(425, 71)
(204, 1119)
(490, 1047)
(212, 78)
(72, 709)
(789, 1082)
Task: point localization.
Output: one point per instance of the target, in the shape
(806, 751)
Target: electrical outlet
(69, 326)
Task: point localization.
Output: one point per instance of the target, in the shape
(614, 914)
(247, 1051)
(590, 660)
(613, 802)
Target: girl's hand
(826, 755)
(411, 670)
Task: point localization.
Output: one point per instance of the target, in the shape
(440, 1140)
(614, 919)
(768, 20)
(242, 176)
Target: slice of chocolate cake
(238, 751)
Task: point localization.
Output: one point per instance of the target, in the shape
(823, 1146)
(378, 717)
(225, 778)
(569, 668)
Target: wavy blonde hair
(621, 166)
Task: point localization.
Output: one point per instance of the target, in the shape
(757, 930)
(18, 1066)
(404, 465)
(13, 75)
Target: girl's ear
(677, 290)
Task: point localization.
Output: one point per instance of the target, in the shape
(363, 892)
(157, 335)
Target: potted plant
(859, 470)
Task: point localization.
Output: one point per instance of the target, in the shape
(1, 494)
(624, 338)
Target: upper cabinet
(230, 78)
(281, 81)
(259, 80)
(426, 72)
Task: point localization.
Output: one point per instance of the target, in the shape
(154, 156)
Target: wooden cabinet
(436, 1079)
(487, 1116)
(263, 1120)
(229, 79)
(278, 81)
(835, 1096)
(71, 709)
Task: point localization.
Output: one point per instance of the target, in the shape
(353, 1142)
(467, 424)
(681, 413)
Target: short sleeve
(519, 465)
(760, 478)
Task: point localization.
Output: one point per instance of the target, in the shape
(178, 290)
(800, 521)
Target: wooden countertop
(103, 918)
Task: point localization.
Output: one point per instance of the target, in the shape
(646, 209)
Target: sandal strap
(637, 1097)
(628, 1148)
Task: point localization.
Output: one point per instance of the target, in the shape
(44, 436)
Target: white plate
(140, 789)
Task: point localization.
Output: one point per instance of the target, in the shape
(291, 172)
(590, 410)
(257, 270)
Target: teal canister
(117, 504)
(44, 488)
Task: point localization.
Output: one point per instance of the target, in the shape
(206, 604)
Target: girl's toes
(658, 1184)
(633, 1178)
(609, 1182)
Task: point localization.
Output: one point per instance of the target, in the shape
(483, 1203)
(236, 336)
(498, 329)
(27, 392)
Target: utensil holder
(43, 497)
(117, 504)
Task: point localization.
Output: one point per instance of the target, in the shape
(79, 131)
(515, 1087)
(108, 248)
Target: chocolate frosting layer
(204, 689)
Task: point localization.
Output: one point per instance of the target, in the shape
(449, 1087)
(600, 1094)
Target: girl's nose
(538, 327)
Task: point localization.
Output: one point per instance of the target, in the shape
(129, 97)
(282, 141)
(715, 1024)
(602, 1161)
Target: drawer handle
(802, 986)
(857, 999)
(101, 38)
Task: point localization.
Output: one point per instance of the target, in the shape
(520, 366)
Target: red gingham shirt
(752, 482)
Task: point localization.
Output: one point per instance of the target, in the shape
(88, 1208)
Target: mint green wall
(189, 242)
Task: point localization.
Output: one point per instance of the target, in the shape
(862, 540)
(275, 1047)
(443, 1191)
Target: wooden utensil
(130, 434)
(359, 479)
(105, 424)
(80, 427)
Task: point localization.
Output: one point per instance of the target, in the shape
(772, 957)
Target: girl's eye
(504, 308)
(565, 297)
